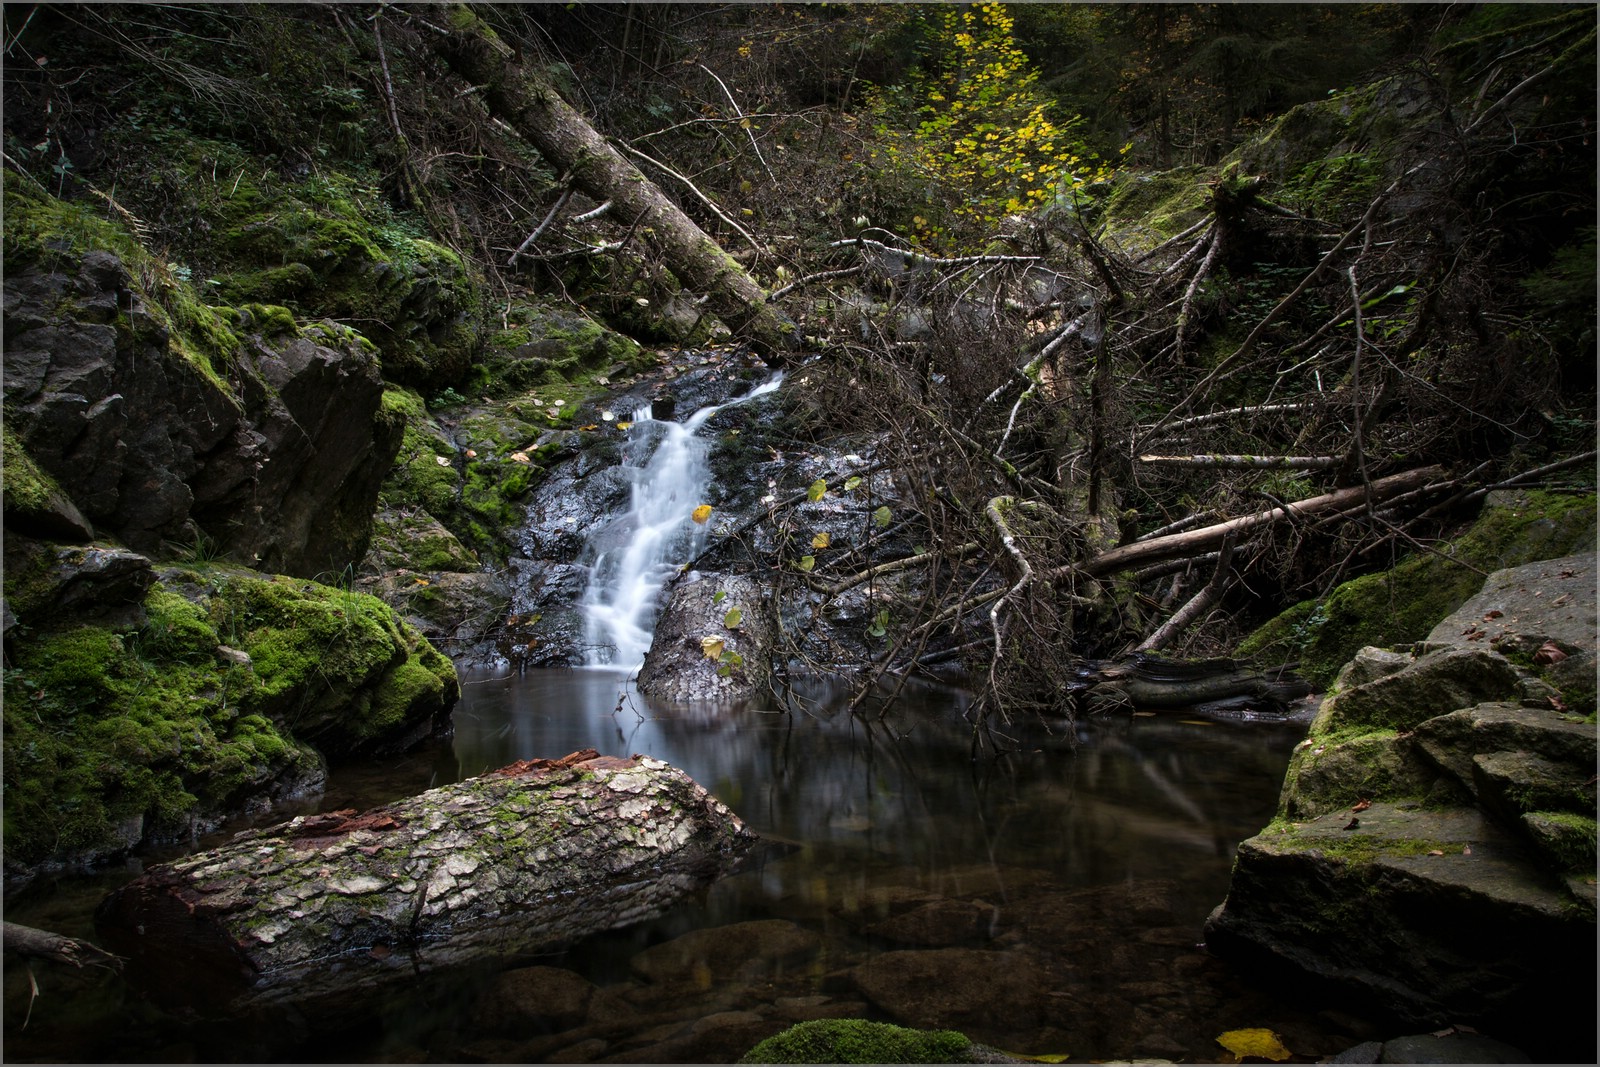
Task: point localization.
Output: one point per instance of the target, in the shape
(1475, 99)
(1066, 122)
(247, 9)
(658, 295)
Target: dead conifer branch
(1199, 604)
(1247, 462)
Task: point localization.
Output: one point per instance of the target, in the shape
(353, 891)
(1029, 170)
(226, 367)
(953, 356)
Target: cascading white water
(634, 554)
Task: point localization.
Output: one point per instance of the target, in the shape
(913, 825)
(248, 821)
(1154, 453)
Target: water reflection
(1085, 860)
(1119, 798)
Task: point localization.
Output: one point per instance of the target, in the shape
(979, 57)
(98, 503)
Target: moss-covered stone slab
(1453, 742)
(1435, 684)
(1332, 773)
(1434, 914)
(198, 700)
(1402, 605)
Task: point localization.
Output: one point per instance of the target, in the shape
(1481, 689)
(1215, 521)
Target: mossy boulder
(1401, 605)
(546, 346)
(1441, 792)
(860, 1041)
(201, 702)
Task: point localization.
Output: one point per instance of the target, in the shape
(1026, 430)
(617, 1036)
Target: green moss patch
(859, 1041)
(116, 735)
(1401, 605)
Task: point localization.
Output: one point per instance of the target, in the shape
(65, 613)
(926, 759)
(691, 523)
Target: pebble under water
(1048, 901)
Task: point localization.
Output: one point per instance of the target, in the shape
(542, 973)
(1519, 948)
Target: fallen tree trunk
(324, 911)
(1203, 540)
(525, 99)
(1144, 681)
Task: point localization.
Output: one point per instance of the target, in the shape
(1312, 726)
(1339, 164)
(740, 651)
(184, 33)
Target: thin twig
(743, 122)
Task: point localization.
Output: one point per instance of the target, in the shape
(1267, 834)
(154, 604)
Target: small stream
(1048, 901)
(1089, 860)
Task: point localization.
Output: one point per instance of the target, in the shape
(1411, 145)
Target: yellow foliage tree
(983, 126)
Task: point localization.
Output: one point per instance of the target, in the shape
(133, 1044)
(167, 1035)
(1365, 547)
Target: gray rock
(1453, 742)
(1434, 684)
(280, 467)
(1452, 1048)
(681, 666)
(1369, 665)
(1437, 914)
(1366, 1052)
(1522, 607)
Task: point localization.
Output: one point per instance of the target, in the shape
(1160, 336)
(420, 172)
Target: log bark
(526, 100)
(325, 911)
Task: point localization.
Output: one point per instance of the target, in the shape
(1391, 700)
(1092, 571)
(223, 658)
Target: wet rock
(682, 666)
(1454, 1047)
(742, 951)
(721, 1037)
(984, 994)
(941, 923)
(533, 1000)
(1436, 914)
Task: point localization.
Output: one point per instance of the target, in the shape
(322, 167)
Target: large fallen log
(326, 910)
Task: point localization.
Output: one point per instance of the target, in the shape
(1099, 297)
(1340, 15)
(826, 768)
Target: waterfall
(632, 556)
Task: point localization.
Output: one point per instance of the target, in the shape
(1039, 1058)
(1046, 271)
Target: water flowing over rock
(280, 466)
(1435, 845)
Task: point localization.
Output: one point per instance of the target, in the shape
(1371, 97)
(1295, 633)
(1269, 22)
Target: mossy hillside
(1159, 204)
(325, 245)
(859, 1041)
(114, 735)
(43, 232)
(113, 738)
(1401, 605)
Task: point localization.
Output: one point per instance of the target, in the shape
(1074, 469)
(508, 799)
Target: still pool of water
(1049, 900)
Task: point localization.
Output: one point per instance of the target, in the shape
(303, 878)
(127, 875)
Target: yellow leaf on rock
(821, 540)
(1257, 1042)
(702, 513)
(712, 646)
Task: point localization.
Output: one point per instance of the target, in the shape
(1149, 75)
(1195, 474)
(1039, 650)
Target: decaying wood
(326, 910)
(533, 107)
(33, 944)
(1145, 681)
(1197, 606)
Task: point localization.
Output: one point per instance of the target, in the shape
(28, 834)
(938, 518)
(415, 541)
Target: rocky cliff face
(153, 690)
(274, 457)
